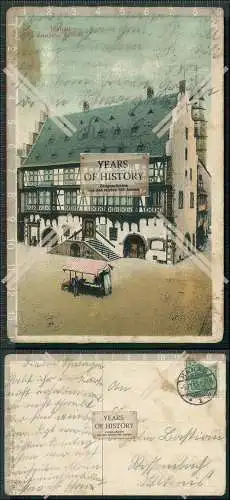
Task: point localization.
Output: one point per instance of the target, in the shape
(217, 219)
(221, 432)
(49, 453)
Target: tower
(200, 128)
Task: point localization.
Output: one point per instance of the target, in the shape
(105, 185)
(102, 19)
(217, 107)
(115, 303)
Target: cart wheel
(110, 284)
(106, 284)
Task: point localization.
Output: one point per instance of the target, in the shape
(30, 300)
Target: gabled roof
(126, 127)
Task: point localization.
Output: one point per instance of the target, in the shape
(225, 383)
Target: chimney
(182, 85)
(43, 116)
(85, 106)
(150, 92)
(35, 135)
(28, 148)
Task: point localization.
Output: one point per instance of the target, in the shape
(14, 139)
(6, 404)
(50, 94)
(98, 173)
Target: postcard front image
(115, 143)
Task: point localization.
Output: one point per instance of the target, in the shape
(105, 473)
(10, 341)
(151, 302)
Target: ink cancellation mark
(197, 384)
(114, 424)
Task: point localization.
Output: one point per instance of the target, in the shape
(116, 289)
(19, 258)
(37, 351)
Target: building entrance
(88, 228)
(134, 247)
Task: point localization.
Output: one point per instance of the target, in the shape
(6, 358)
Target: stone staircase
(106, 252)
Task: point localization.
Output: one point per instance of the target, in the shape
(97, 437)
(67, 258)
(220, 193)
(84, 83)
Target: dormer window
(101, 132)
(117, 130)
(150, 111)
(134, 129)
(84, 134)
(111, 117)
(131, 113)
(96, 119)
(51, 139)
(140, 146)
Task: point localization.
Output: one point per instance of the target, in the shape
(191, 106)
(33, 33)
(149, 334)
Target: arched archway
(75, 250)
(134, 246)
(49, 237)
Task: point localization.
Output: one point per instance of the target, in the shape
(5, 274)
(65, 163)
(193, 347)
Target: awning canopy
(87, 266)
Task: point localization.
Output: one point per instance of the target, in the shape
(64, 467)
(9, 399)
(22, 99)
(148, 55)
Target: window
(48, 177)
(140, 147)
(31, 178)
(69, 176)
(126, 204)
(154, 199)
(156, 172)
(30, 200)
(134, 129)
(186, 173)
(70, 200)
(66, 230)
(181, 199)
(113, 233)
(190, 174)
(186, 133)
(186, 153)
(117, 130)
(157, 244)
(120, 203)
(193, 240)
(191, 200)
(97, 203)
(44, 198)
(196, 131)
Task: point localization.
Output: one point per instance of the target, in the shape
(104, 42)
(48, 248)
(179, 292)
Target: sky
(107, 60)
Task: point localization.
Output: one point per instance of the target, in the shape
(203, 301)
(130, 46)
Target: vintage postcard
(115, 174)
(115, 425)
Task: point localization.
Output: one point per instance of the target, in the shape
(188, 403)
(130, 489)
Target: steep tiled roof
(126, 127)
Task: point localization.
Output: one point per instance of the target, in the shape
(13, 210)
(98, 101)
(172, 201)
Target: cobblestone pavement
(147, 300)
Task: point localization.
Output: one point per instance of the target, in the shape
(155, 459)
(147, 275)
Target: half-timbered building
(168, 128)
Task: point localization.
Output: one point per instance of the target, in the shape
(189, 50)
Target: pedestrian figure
(75, 286)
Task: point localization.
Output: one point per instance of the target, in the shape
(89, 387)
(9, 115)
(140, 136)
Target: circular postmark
(197, 384)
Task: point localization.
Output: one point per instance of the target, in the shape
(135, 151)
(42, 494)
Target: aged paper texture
(115, 156)
(174, 404)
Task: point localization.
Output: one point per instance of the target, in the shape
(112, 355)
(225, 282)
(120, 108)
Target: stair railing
(104, 238)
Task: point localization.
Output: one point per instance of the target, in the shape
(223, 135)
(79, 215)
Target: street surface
(147, 299)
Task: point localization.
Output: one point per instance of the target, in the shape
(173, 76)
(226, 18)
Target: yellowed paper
(56, 444)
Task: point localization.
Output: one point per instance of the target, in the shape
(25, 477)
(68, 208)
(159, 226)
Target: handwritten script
(50, 428)
(55, 446)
